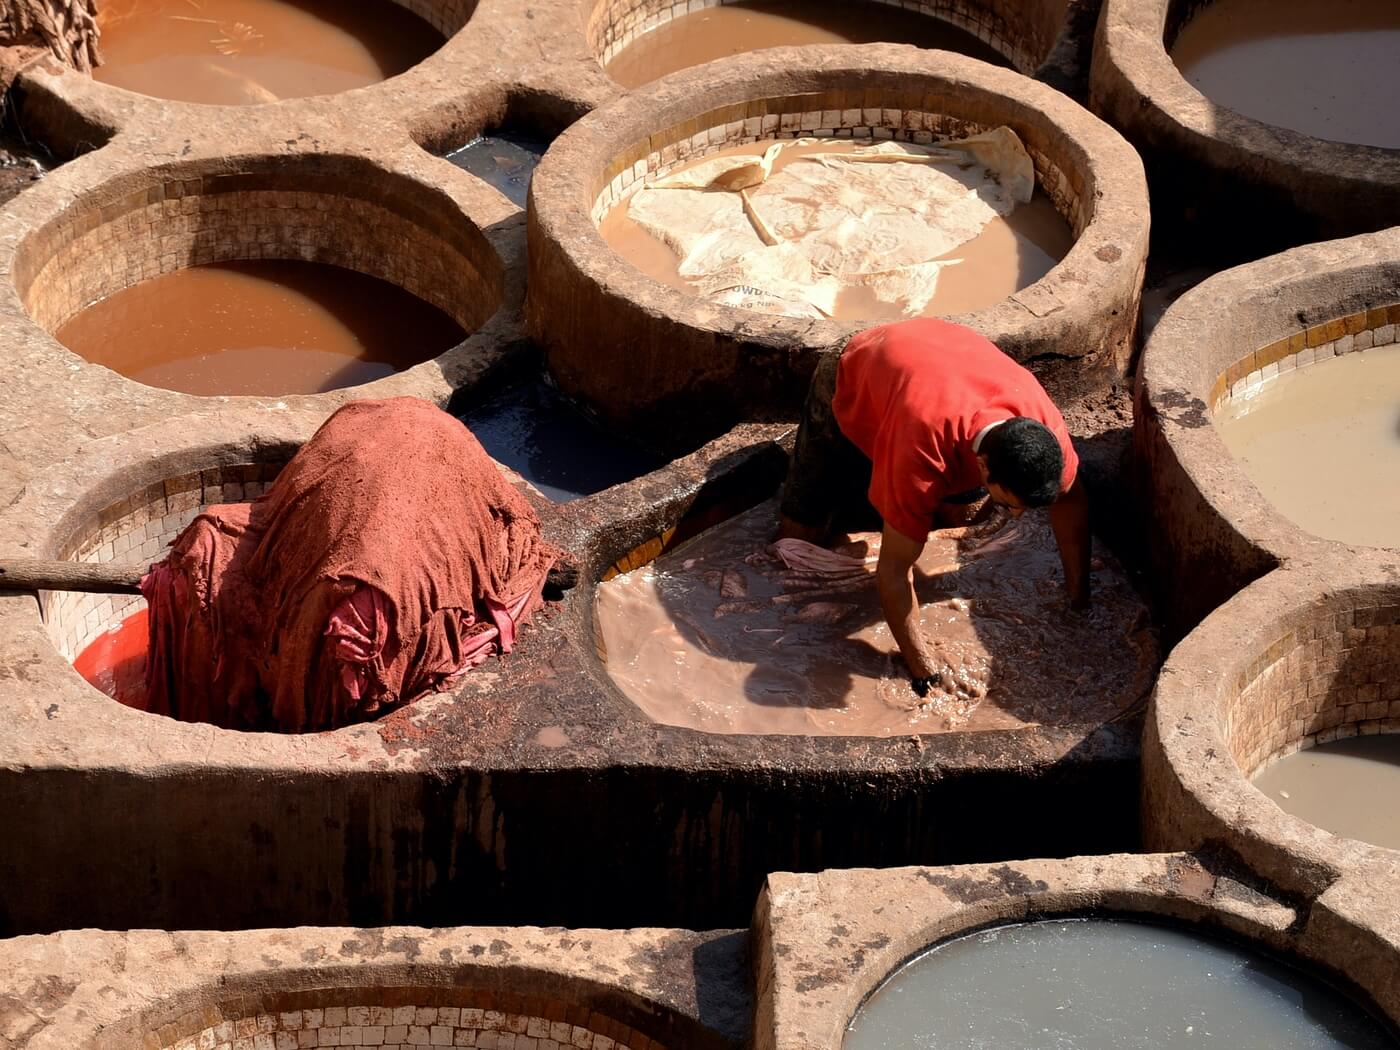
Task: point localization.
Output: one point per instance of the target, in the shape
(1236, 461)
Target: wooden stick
(24, 574)
(96, 577)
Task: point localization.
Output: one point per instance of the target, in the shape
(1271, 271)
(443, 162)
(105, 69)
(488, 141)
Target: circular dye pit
(727, 29)
(1102, 984)
(1330, 70)
(246, 52)
(274, 282)
(260, 327)
(720, 635)
(1334, 423)
(855, 231)
(537, 1012)
(106, 636)
(1278, 716)
(1349, 787)
(697, 222)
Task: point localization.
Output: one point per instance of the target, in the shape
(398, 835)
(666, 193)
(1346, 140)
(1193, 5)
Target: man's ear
(982, 466)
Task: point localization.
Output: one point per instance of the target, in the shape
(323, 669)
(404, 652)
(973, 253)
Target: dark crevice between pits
(503, 144)
(24, 157)
(557, 445)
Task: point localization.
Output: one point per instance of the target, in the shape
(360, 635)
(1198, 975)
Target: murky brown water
(1323, 445)
(1330, 69)
(1009, 254)
(718, 635)
(244, 52)
(1349, 787)
(264, 327)
(732, 29)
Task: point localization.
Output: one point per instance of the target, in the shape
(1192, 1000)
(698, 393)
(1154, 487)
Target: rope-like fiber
(67, 29)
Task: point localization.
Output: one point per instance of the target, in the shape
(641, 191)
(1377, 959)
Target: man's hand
(1069, 519)
(894, 576)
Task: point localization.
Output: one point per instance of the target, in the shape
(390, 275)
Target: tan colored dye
(244, 52)
(733, 29)
(265, 327)
(718, 636)
(1323, 445)
(1349, 787)
(1331, 70)
(1009, 254)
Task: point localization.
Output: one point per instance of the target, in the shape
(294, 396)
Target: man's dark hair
(1024, 458)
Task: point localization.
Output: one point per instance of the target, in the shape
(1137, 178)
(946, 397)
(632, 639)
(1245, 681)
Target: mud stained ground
(719, 635)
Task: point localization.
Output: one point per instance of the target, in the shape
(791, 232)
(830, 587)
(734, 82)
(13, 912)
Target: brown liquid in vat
(732, 29)
(718, 636)
(1323, 445)
(1330, 70)
(1349, 787)
(1009, 254)
(244, 52)
(264, 327)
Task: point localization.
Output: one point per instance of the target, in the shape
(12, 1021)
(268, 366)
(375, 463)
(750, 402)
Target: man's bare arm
(894, 576)
(1069, 518)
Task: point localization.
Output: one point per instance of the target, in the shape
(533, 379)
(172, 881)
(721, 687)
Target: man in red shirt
(920, 417)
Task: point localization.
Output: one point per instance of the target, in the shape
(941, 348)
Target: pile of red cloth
(389, 557)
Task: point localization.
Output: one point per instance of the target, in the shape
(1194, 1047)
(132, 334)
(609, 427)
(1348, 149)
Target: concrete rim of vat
(1307, 188)
(113, 218)
(824, 942)
(68, 105)
(1209, 523)
(135, 802)
(632, 989)
(1310, 653)
(645, 353)
(1045, 39)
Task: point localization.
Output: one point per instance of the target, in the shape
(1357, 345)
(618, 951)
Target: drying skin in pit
(719, 635)
(1349, 787)
(856, 230)
(265, 327)
(1100, 984)
(733, 29)
(245, 52)
(1330, 70)
(1323, 445)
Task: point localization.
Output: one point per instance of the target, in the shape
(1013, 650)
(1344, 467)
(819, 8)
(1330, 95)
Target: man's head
(1021, 464)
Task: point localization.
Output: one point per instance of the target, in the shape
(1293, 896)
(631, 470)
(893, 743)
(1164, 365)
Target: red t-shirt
(912, 396)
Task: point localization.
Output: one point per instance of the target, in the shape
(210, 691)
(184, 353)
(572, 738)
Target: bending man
(923, 416)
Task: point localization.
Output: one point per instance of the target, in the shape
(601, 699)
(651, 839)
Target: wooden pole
(23, 574)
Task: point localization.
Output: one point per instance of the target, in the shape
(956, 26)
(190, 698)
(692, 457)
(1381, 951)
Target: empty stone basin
(278, 279)
(245, 52)
(644, 353)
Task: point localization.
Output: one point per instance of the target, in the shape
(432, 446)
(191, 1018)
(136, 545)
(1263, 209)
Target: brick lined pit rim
(650, 355)
(1269, 187)
(824, 942)
(1045, 39)
(127, 223)
(1209, 523)
(1292, 660)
